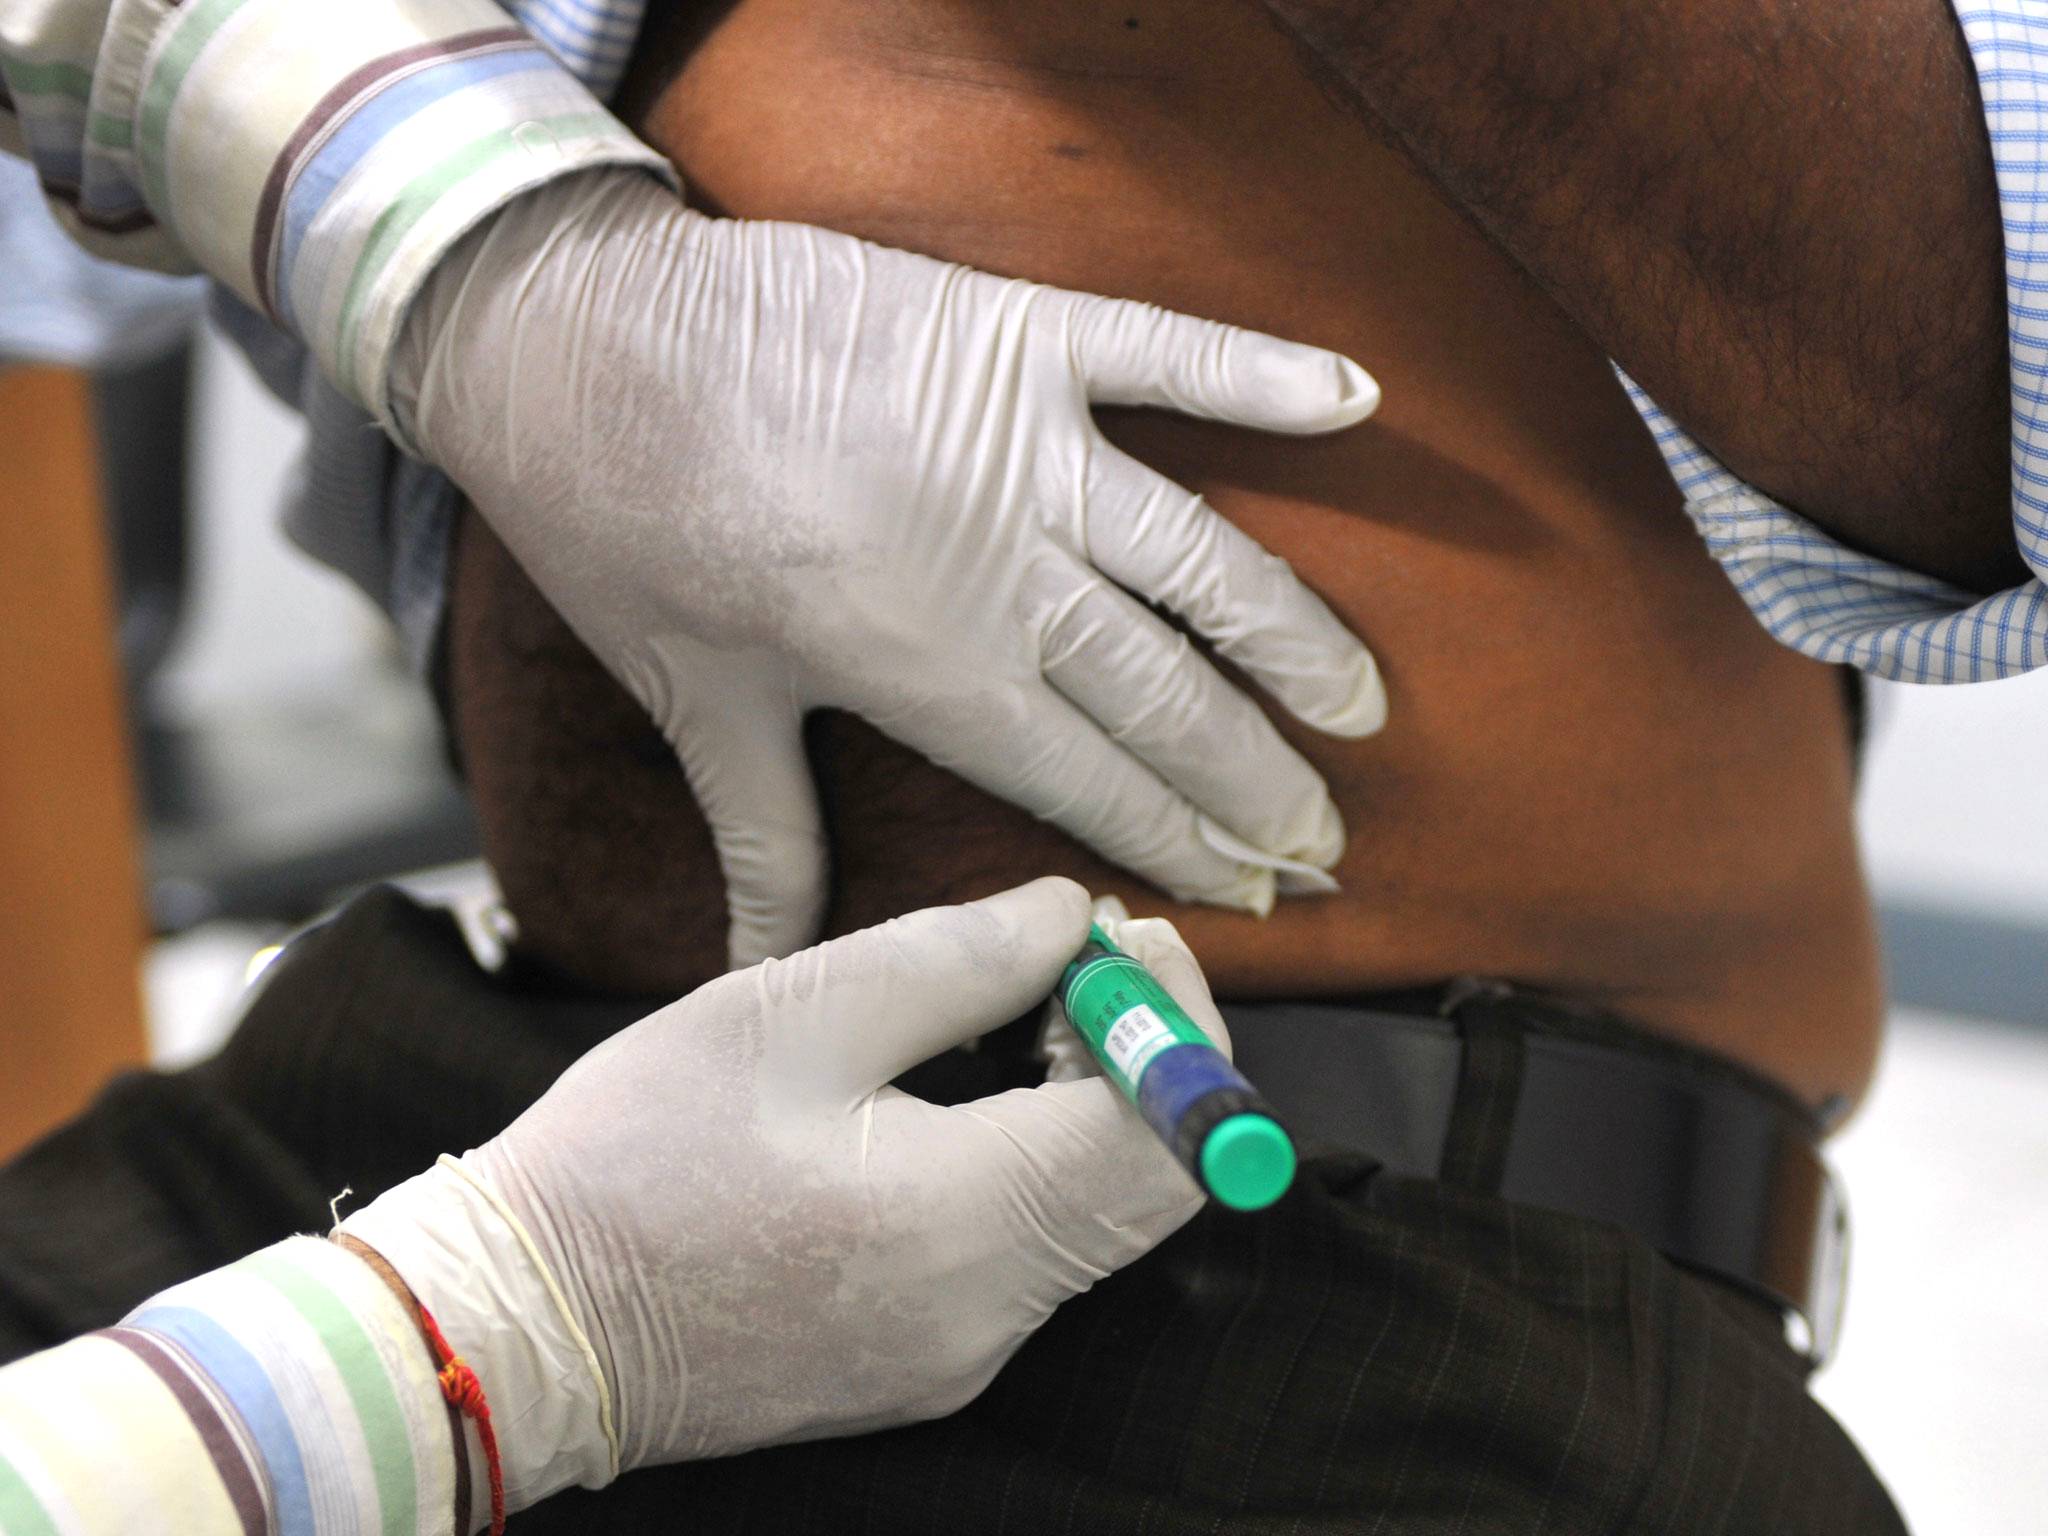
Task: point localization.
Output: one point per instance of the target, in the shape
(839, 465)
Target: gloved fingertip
(1066, 902)
(1110, 911)
(1358, 392)
(1050, 915)
(1318, 390)
(1156, 943)
(1362, 708)
(1248, 889)
(1306, 882)
(1325, 845)
(1292, 874)
(1254, 891)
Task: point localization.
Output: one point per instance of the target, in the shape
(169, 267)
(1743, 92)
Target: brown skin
(1599, 775)
(1779, 216)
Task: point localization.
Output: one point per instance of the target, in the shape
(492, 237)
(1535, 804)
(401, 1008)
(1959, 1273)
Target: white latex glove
(762, 468)
(758, 1239)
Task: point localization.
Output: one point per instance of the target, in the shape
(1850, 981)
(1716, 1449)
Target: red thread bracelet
(466, 1394)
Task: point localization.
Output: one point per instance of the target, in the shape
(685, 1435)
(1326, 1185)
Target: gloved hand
(722, 1230)
(762, 468)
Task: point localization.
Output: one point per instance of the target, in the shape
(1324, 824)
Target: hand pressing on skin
(722, 1229)
(764, 468)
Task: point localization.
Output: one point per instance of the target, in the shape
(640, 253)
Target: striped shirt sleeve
(1831, 602)
(382, 131)
(288, 1392)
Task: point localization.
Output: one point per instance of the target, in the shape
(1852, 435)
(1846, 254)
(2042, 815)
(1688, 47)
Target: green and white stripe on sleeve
(289, 1392)
(318, 157)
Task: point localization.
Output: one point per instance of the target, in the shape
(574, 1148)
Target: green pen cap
(1248, 1162)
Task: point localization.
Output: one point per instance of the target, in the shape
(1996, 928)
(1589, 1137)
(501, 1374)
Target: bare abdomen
(1598, 774)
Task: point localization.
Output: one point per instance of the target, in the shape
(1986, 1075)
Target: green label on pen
(1125, 1016)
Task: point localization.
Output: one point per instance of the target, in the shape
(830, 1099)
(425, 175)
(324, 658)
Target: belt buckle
(1827, 1290)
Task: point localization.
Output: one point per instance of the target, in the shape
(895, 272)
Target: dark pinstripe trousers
(1375, 1354)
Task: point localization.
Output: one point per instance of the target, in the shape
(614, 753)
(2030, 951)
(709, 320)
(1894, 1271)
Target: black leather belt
(1719, 1174)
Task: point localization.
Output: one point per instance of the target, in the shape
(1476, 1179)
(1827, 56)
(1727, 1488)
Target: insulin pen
(1196, 1102)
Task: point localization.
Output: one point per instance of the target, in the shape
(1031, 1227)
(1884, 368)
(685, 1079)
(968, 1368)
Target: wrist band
(465, 1393)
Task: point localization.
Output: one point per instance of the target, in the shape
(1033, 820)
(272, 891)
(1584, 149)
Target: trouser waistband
(1516, 1095)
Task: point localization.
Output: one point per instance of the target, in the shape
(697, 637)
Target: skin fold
(1598, 776)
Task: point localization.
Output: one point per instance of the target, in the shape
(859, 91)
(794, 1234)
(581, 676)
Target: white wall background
(1943, 1372)
(1943, 1375)
(1955, 798)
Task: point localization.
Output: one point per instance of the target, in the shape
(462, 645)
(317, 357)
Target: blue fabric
(247, 1387)
(364, 129)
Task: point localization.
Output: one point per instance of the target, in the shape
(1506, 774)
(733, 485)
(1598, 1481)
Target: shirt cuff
(384, 131)
(1837, 604)
(290, 1391)
(330, 1383)
(67, 77)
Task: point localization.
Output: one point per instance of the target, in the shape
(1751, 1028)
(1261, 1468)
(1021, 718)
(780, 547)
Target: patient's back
(1598, 775)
